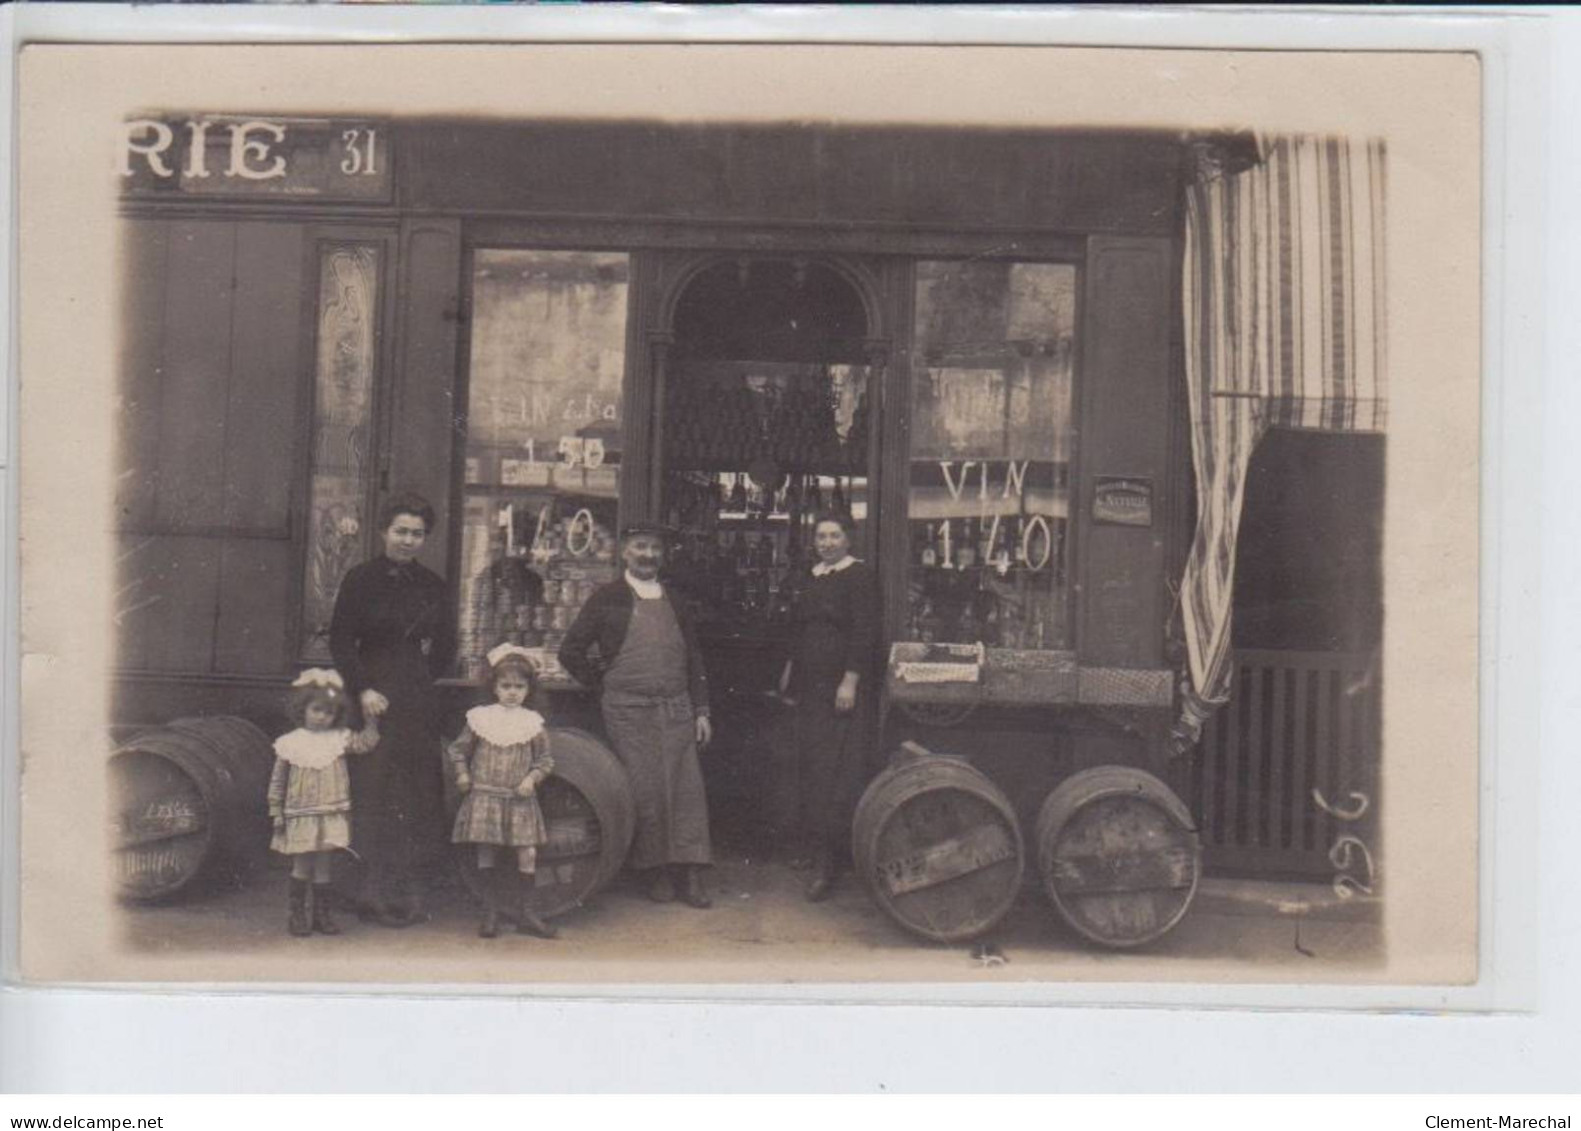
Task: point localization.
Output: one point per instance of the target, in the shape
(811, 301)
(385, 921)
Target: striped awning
(1283, 301)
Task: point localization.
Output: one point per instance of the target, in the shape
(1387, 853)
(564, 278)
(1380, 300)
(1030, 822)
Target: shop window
(991, 441)
(342, 430)
(542, 446)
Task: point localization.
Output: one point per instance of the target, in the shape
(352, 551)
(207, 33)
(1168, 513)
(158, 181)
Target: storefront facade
(968, 342)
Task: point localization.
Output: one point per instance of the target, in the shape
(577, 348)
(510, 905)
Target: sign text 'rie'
(255, 155)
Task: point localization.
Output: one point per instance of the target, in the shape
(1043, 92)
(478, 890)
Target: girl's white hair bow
(500, 651)
(320, 677)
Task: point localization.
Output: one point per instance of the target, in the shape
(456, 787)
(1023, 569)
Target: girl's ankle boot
(490, 927)
(528, 922)
(299, 924)
(323, 915)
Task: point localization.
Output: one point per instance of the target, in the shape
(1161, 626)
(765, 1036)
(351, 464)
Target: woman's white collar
(821, 568)
(505, 726)
(312, 749)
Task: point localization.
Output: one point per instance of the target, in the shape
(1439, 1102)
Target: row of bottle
(798, 429)
(988, 618)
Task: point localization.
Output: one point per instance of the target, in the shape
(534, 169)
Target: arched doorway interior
(767, 420)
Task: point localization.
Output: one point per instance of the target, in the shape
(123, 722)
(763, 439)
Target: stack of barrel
(940, 850)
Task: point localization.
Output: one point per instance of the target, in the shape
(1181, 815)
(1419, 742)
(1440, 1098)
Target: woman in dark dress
(391, 637)
(828, 680)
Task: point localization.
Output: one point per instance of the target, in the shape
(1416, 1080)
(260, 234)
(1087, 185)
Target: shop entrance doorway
(767, 419)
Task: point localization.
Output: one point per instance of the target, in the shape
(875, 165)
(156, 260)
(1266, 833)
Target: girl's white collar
(500, 725)
(312, 749)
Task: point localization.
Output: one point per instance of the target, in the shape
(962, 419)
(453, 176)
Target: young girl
(500, 758)
(310, 793)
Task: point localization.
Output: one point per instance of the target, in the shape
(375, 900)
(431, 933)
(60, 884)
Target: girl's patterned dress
(311, 789)
(501, 747)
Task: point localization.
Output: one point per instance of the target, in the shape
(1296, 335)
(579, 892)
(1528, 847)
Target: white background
(124, 1041)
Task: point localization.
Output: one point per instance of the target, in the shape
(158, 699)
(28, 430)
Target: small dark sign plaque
(1122, 500)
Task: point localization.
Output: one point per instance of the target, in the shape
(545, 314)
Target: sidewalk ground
(759, 930)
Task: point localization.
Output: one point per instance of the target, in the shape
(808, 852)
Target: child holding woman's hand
(310, 793)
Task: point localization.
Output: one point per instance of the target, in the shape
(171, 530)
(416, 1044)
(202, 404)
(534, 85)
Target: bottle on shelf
(738, 495)
(966, 548)
(1000, 552)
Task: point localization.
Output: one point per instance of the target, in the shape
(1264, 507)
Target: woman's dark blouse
(835, 626)
(391, 631)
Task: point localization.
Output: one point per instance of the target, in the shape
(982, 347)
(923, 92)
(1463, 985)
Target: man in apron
(636, 647)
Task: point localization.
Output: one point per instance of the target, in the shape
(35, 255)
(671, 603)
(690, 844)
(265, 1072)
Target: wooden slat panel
(174, 592)
(1289, 729)
(1213, 777)
(143, 304)
(1280, 749)
(262, 447)
(1323, 765)
(1301, 807)
(1230, 819)
(197, 336)
(254, 591)
(1344, 755)
(1254, 754)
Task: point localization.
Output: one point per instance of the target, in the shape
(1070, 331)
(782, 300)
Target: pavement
(760, 930)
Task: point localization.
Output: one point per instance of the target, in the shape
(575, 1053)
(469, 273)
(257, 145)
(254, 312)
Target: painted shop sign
(1123, 501)
(230, 156)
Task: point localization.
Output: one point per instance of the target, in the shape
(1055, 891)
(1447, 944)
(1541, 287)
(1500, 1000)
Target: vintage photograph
(630, 545)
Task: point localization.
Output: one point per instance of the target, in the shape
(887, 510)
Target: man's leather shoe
(660, 889)
(692, 890)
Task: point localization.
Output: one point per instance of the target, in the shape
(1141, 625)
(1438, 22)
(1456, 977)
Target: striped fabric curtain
(1283, 299)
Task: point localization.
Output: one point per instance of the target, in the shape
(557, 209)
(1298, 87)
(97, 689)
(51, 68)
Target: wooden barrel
(591, 818)
(189, 798)
(938, 846)
(1119, 855)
